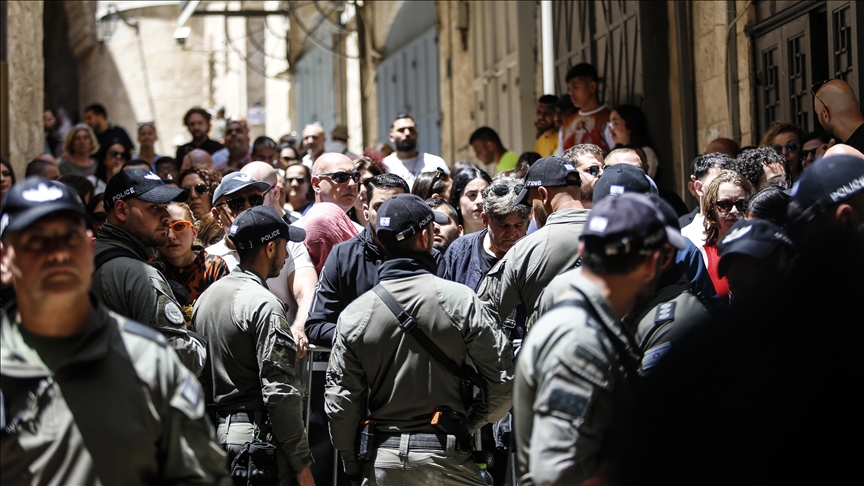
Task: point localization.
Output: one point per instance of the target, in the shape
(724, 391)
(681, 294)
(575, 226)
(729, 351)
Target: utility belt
(258, 417)
(447, 422)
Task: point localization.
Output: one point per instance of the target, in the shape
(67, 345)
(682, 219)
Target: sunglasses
(816, 87)
(594, 170)
(726, 205)
(783, 181)
(502, 190)
(114, 153)
(99, 218)
(180, 226)
(290, 159)
(790, 147)
(201, 189)
(239, 202)
(298, 180)
(342, 177)
(807, 153)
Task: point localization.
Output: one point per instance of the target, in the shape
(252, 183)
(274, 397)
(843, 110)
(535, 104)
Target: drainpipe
(548, 48)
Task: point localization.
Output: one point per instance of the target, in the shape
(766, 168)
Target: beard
(150, 238)
(275, 267)
(441, 247)
(406, 145)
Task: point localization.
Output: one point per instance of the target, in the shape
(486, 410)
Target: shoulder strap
(409, 326)
(630, 363)
(34, 400)
(110, 254)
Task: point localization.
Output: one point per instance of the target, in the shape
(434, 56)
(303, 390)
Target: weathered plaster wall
(25, 76)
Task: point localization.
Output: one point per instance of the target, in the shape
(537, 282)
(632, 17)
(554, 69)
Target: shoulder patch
(568, 402)
(665, 312)
(191, 390)
(174, 314)
(654, 355)
(143, 331)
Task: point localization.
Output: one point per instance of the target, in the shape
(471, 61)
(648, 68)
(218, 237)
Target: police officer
(253, 356)
(88, 396)
(572, 375)
(136, 201)
(380, 373)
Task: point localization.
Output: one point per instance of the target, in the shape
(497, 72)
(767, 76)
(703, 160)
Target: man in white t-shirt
(296, 283)
(406, 161)
(314, 139)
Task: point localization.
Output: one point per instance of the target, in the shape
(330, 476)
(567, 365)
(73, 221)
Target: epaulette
(141, 330)
(665, 312)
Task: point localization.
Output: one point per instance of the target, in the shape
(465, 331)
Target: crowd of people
(543, 318)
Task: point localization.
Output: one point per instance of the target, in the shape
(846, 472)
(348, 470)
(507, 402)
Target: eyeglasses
(114, 153)
(594, 170)
(180, 226)
(805, 154)
(342, 177)
(239, 202)
(790, 147)
(726, 205)
(99, 218)
(502, 190)
(783, 181)
(298, 180)
(816, 87)
(201, 189)
(290, 159)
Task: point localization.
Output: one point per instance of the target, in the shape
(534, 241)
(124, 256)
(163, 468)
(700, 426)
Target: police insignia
(665, 312)
(174, 314)
(190, 391)
(653, 355)
(569, 402)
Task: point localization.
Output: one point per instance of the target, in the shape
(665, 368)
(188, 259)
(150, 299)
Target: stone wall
(25, 81)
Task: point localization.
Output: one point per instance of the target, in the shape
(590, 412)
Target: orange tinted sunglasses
(180, 226)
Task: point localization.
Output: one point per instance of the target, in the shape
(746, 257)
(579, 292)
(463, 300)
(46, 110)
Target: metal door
(408, 84)
(313, 80)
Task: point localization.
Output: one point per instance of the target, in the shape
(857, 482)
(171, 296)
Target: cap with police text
(826, 183)
(235, 181)
(755, 238)
(547, 172)
(403, 216)
(34, 198)
(628, 223)
(260, 225)
(621, 178)
(141, 184)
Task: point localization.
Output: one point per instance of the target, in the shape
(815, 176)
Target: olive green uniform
(569, 389)
(532, 263)
(134, 289)
(379, 372)
(118, 408)
(253, 367)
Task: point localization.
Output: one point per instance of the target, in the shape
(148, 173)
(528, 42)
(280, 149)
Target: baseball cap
(235, 181)
(33, 199)
(142, 184)
(629, 223)
(547, 172)
(756, 238)
(403, 216)
(825, 183)
(619, 179)
(260, 225)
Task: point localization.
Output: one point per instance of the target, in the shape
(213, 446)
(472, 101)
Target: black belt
(242, 417)
(426, 442)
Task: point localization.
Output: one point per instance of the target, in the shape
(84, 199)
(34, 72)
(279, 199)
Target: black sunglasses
(502, 190)
(290, 159)
(114, 153)
(816, 87)
(298, 180)
(594, 170)
(725, 205)
(342, 177)
(201, 189)
(239, 202)
(790, 147)
(99, 218)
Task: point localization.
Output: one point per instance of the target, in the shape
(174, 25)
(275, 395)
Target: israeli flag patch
(615, 190)
(384, 222)
(654, 355)
(598, 224)
(569, 167)
(233, 230)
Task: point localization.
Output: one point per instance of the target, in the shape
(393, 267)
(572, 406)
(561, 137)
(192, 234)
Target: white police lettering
(533, 183)
(269, 237)
(242, 177)
(123, 194)
(233, 230)
(846, 190)
(598, 224)
(384, 222)
(425, 221)
(785, 239)
(736, 233)
(650, 240)
(616, 190)
(42, 193)
(152, 177)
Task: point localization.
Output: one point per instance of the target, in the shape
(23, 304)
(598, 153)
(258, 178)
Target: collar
(593, 112)
(569, 215)
(113, 235)
(601, 305)
(247, 273)
(408, 265)
(369, 246)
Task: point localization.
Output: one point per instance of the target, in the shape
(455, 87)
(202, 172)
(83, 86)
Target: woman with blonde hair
(78, 148)
(725, 203)
(787, 140)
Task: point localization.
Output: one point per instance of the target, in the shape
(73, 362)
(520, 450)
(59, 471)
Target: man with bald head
(313, 141)
(625, 156)
(843, 149)
(334, 180)
(723, 146)
(839, 112)
(196, 157)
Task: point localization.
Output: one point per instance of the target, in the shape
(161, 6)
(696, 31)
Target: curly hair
(749, 163)
(211, 177)
(709, 204)
(782, 127)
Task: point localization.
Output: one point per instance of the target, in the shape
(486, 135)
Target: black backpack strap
(110, 254)
(630, 362)
(408, 325)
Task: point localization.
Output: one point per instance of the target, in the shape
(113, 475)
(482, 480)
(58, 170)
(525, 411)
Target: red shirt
(720, 283)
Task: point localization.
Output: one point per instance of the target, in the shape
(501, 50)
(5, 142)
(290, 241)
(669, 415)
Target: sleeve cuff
(352, 467)
(298, 463)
